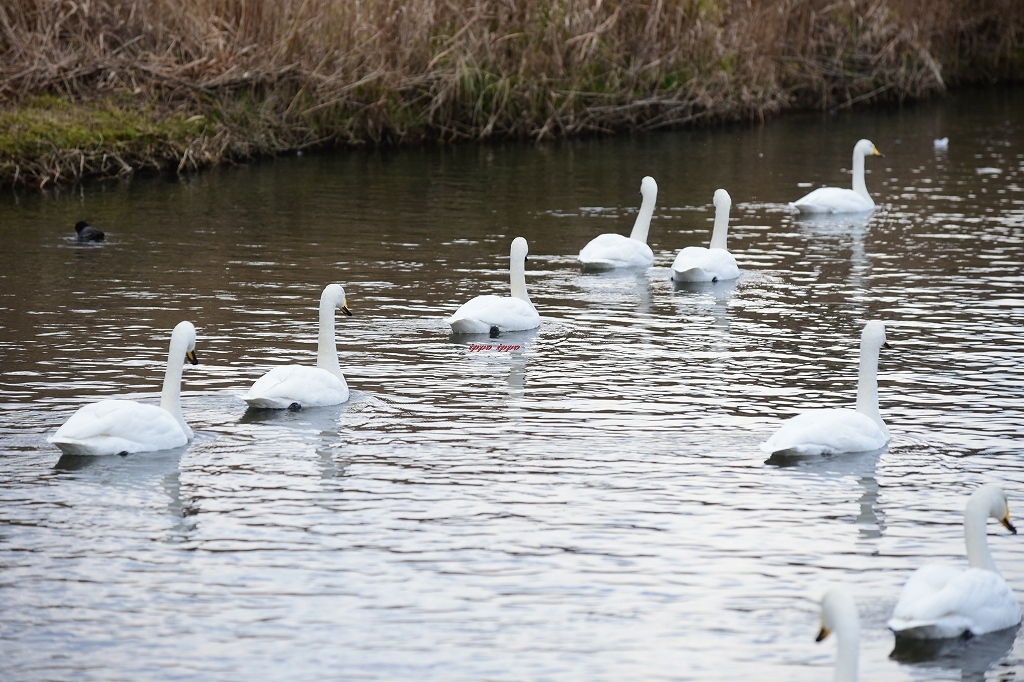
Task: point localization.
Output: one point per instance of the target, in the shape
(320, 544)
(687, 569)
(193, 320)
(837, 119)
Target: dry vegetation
(106, 86)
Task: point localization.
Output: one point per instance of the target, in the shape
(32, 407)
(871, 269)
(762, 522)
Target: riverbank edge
(50, 141)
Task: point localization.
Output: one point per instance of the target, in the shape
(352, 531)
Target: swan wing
(111, 427)
(943, 601)
(699, 264)
(507, 313)
(609, 251)
(832, 200)
(282, 387)
(826, 432)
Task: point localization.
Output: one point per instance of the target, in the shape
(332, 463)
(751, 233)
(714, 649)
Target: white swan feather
(495, 314)
(298, 386)
(939, 602)
(113, 427)
(838, 200)
(835, 431)
(713, 264)
(839, 615)
(611, 251)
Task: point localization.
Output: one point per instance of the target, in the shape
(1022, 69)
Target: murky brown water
(594, 507)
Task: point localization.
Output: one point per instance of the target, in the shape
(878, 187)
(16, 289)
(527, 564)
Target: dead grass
(218, 80)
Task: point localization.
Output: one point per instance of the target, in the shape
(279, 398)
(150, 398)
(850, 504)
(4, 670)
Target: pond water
(593, 506)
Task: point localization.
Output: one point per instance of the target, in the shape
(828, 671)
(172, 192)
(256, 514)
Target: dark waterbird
(88, 233)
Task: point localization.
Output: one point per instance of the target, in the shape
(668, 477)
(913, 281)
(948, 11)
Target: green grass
(39, 124)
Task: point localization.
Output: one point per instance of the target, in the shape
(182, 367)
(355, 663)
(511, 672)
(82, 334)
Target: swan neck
(643, 219)
(975, 518)
(848, 652)
(858, 175)
(170, 394)
(326, 346)
(517, 280)
(721, 231)
(867, 386)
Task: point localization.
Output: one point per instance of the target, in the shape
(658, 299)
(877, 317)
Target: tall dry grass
(269, 75)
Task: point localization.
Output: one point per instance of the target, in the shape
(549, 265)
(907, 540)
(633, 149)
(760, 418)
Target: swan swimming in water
(119, 427)
(495, 314)
(944, 601)
(714, 264)
(297, 386)
(838, 200)
(839, 615)
(834, 431)
(610, 251)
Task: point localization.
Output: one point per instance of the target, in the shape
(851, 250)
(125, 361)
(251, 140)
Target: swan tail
(465, 325)
(692, 275)
(258, 402)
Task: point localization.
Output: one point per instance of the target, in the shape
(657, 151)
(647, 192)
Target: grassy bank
(102, 87)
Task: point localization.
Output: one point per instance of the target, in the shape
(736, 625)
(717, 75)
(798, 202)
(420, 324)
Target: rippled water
(592, 507)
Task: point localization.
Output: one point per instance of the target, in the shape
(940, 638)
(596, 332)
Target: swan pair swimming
(113, 427)
(937, 602)
(692, 264)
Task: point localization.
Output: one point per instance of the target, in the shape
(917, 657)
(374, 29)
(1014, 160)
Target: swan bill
(344, 309)
(1007, 525)
(191, 357)
(822, 634)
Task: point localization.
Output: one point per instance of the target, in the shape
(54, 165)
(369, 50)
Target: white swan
(838, 200)
(827, 432)
(298, 386)
(839, 615)
(714, 264)
(115, 427)
(495, 314)
(944, 601)
(610, 251)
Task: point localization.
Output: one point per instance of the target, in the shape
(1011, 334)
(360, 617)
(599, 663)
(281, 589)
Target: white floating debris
(942, 143)
(989, 170)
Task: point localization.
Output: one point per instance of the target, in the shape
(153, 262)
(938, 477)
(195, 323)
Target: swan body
(835, 431)
(611, 251)
(494, 314)
(114, 427)
(838, 200)
(714, 264)
(839, 615)
(298, 386)
(944, 601)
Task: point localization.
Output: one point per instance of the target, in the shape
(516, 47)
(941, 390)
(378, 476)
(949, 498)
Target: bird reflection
(706, 299)
(862, 466)
(972, 656)
(845, 229)
(140, 471)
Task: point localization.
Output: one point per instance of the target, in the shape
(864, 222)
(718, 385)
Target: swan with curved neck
(495, 314)
(834, 431)
(713, 264)
(297, 386)
(114, 427)
(838, 200)
(944, 601)
(611, 251)
(839, 615)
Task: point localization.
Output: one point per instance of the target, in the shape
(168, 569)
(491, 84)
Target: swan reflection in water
(972, 656)
(137, 474)
(862, 466)
(826, 233)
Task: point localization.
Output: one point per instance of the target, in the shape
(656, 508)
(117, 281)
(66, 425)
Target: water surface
(591, 507)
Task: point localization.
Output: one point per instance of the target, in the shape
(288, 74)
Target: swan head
(873, 336)
(184, 334)
(992, 499)
(867, 148)
(648, 187)
(838, 613)
(519, 249)
(722, 200)
(334, 295)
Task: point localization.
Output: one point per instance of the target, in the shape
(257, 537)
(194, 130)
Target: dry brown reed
(263, 76)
